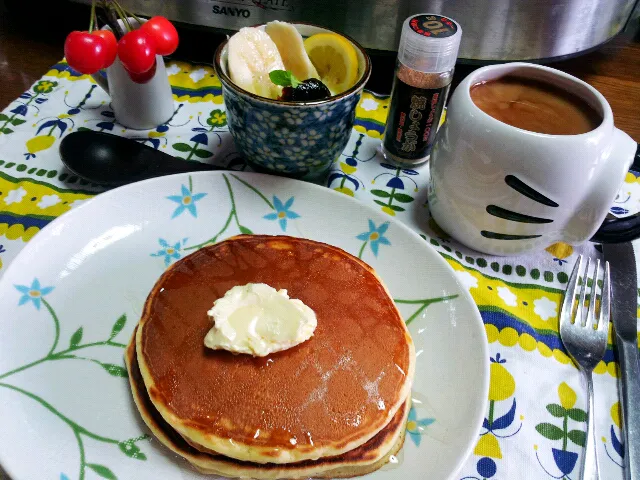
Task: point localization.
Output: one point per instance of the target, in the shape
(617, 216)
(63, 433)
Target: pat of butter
(258, 320)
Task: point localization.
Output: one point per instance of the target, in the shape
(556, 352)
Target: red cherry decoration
(164, 34)
(85, 52)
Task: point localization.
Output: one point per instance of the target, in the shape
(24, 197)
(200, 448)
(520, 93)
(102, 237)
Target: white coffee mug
(502, 190)
(139, 106)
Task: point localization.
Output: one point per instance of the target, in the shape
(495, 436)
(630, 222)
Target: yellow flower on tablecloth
(488, 446)
(389, 211)
(345, 190)
(567, 395)
(39, 143)
(45, 86)
(217, 118)
(560, 251)
(615, 414)
(502, 385)
(348, 169)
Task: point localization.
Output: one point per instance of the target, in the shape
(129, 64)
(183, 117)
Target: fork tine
(583, 294)
(570, 293)
(605, 309)
(591, 312)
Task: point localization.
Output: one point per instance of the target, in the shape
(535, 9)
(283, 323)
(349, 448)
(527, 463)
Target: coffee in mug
(535, 106)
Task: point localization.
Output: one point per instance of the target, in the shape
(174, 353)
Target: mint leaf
(284, 78)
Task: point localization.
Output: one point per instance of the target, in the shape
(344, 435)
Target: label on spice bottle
(414, 114)
(435, 26)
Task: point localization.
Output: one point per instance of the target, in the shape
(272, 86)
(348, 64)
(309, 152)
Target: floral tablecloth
(535, 421)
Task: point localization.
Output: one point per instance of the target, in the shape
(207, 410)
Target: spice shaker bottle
(426, 59)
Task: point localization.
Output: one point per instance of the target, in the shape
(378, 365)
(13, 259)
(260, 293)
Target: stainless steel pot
(493, 30)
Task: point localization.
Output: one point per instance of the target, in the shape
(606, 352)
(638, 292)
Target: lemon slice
(335, 60)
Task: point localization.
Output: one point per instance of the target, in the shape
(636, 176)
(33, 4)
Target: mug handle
(620, 230)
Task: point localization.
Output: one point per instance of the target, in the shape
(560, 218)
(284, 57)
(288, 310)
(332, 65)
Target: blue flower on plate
(33, 293)
(282, 212)
(63, 477)
(169, 251)
(416, 426)
(375, 236)
(186, 201)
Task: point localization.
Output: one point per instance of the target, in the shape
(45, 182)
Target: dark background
(32, 36)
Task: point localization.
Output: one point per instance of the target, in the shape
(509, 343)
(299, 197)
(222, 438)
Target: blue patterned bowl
(296, 139)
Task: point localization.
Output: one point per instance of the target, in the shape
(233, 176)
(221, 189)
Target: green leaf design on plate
(578, 437)
(83, 129)
(380, 193)
(245, 230)
(76, 338)
(181, 147)
(202, 153)
(6, 130)
(17, 121)
(577, 414)
(131, 450)
(403, 197)
(103, 471)
(115, 370)
(118, 326)
(547, 430)
(556, 410)
(3, 117)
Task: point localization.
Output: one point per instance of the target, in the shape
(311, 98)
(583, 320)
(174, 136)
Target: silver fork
(586, 341)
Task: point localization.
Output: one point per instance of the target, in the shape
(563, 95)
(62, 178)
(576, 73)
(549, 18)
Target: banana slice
(291, 48)
(251, 56)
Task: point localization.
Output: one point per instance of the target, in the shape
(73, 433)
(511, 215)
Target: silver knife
(624, 287)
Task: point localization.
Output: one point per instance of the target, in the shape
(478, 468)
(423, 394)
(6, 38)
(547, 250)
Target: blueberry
(309, 90)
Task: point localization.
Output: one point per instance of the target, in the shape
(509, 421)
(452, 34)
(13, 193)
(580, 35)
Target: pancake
(363, 460)
(322, 398)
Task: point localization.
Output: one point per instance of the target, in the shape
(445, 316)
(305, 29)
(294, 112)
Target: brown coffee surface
(535, 106)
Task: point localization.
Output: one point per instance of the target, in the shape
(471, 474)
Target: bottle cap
(429, 43)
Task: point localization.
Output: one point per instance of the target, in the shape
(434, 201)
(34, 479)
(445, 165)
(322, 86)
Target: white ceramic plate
(70, 300)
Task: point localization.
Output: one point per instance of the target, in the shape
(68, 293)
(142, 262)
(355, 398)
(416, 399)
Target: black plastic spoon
(108, 159)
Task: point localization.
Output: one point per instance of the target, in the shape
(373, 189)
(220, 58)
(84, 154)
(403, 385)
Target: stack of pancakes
(333, 406)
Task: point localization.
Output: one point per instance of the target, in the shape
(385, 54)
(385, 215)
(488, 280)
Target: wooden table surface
(30, 44)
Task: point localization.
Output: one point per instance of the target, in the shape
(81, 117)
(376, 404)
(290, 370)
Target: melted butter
(257, 319)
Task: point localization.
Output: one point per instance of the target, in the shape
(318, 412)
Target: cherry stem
(94, 18)
(135, 17)
(123, 16)
(93, 15)
(112, 20)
